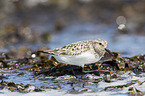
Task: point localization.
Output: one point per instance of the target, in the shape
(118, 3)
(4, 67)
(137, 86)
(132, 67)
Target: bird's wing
(75, 48)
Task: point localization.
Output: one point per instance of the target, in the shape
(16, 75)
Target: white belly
(80, 60)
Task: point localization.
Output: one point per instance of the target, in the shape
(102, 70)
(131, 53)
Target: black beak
(107, 50)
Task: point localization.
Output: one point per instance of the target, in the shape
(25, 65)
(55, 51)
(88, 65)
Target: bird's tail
(46, 51)
(42, 52)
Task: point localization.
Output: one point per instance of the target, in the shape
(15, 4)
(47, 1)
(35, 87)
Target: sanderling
(80, 53)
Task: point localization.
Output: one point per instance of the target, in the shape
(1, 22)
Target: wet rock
(116, 55)
(11, 86)
(89, 67)
(2, 84)
(114, 75)
(135, 92)
(83, 90)
(120, 86)
(142, 57)
(107, 78)
(4, 56)
(3, 77)
(110, 65)
(29, 88)
(3, 64)
(38, 90)
(21, 74)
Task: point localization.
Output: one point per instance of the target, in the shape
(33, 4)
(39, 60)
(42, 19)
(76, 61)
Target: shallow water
(92, 89)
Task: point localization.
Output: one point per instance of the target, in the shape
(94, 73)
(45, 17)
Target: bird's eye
(100, 43)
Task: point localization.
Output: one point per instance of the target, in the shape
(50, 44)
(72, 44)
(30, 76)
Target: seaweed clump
(41, 68)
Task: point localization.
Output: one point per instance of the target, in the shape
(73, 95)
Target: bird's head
(101, 44)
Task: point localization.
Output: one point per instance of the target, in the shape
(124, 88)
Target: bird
(80, 53)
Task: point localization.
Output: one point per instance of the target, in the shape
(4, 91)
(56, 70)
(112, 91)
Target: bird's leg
(52, 69)
(73, 73)
(77, 71)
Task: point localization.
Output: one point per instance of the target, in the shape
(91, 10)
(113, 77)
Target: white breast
(80, 60)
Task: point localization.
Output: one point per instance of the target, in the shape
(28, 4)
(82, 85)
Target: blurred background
(32, 24)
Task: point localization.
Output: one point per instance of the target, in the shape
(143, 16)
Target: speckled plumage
(80, 53)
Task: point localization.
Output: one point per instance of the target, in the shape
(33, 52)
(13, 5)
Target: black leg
(73, 72)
